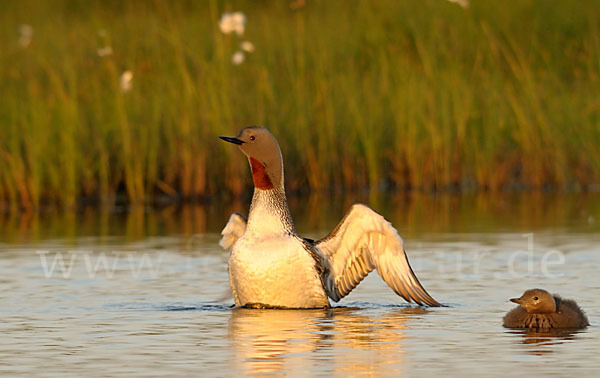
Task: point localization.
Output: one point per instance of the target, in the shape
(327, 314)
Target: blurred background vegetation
(411, 95)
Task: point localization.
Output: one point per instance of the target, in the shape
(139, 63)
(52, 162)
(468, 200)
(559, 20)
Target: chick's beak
(232, 140)
(516, 300)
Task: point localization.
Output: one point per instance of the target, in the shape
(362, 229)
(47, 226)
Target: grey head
(536, 301)
(264, 156)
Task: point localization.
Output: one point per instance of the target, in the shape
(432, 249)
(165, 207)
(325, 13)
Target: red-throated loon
(538, 309)
(272, 266)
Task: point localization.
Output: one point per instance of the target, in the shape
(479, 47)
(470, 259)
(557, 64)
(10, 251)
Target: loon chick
(539, 309)
(272, 266)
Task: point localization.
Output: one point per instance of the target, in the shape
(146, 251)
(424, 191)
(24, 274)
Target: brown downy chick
(539, 309)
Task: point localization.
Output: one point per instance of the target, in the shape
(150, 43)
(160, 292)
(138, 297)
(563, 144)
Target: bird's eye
(252, 137)
(535, 298)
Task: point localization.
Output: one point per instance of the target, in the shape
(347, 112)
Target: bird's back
(570, 314)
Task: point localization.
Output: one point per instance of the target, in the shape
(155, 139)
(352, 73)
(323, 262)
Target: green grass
(408, 94)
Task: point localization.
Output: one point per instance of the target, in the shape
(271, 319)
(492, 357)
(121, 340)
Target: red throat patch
(259, 175)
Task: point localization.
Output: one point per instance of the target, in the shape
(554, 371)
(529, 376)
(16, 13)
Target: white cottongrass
(238, 58)
(462, 3)
(126, 78)
(104, 51)
(25, 35)
(233, 22)
(247, 46)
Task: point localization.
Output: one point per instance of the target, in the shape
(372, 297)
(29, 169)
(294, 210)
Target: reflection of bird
(271, 266)
(267, 341)
(538, 309)
(354, 343)
(538, 339)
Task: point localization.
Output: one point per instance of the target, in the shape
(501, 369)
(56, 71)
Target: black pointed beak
(232, 140)
(516, 300)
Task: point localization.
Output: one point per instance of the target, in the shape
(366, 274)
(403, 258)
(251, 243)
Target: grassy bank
(411, 94)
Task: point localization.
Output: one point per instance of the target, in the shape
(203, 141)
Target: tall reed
(410, 94)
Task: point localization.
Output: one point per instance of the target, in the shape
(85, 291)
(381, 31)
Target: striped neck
(269, 212)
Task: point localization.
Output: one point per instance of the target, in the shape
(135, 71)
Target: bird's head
(264, 155)
(536, 301)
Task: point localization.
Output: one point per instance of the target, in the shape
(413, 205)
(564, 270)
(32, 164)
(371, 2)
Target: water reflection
(540, 341)
(411, 213)
(273, 341)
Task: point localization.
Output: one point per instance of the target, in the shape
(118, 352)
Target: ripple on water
(174, 322)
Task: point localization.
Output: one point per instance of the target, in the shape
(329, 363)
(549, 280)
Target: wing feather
(233, 230)
(364, 241)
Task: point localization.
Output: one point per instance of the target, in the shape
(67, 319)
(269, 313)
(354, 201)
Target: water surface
(145, 292)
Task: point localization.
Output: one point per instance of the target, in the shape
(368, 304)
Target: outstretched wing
(234, 229)
(364, 241)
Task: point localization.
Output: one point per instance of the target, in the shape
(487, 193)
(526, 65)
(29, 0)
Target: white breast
(275, 270)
